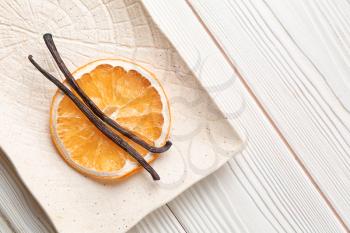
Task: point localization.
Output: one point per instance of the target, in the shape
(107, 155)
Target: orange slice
(130, 95)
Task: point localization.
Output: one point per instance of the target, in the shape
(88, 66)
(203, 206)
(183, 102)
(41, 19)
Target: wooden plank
(4, 226)
(19, 211)
(293, 77)
(267, 190)
(161, 220)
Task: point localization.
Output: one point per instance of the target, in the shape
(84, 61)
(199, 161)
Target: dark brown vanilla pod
(97, 121)
(98, 112)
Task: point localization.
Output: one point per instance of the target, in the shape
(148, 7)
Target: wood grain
(275, 181)
(19, 211)
(161, 220)
(295, 84)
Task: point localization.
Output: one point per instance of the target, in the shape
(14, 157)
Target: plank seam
(177, 219)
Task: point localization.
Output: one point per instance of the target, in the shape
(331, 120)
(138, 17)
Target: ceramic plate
(85, 31)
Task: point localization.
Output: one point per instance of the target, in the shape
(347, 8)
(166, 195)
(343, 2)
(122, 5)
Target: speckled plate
(85, 31)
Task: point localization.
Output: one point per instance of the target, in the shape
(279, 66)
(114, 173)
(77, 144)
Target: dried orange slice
(127, 93)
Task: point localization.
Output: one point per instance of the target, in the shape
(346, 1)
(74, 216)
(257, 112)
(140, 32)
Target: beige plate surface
(85, 31)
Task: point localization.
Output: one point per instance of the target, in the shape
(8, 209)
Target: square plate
(84, 31)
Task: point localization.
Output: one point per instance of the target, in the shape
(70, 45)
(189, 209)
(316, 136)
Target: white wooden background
(291, 60)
